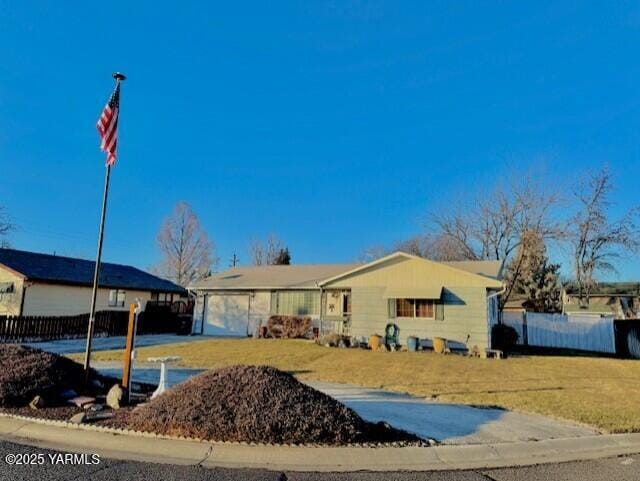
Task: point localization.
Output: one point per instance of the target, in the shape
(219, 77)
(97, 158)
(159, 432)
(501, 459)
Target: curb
(302, 458)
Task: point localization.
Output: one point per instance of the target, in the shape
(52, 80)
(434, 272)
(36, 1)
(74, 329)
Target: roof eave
(13, 271)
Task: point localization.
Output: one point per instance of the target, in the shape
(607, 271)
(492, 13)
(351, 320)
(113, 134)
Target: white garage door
(227, 315)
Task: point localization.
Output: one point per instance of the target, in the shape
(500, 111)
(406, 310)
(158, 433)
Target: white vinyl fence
(585, 333)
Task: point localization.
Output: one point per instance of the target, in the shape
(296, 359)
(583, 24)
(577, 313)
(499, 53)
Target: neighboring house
(618, 299)
(454, 300)
(517, 304)
(33, 284)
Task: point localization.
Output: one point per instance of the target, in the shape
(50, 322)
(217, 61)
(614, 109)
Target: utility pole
(234, 260)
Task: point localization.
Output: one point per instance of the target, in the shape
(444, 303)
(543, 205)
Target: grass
(597, 391)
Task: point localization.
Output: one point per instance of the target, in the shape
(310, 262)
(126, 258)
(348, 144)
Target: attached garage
(226, 315)
(231, 313)
(238, 301)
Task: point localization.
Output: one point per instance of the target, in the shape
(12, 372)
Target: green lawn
(598, 391)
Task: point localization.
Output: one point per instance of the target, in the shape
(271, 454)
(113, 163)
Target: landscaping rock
(79, 418)
(98, 416)
(26, 372)
(257, 404)
(37, 403)
(114, 396)
(81, 401)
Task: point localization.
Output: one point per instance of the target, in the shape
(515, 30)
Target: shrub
(288, 326)
(503, 337)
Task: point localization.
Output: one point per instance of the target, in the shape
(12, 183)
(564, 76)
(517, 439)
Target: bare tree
(272, 251)
(596, 241)
(6, 227)
(435, 247)
(372, 253)
(187, 250)
(494, 227)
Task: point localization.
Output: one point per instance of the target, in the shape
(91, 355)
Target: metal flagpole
(96, 272)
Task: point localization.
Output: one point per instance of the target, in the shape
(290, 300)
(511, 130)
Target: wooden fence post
(126, 372)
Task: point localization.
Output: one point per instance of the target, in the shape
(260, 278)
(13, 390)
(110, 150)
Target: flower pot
(374, 342)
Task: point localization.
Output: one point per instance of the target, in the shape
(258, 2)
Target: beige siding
(464, 324)
(10, 302)
(259, 309)
(464, 296)
(369, 312)
(412, 273)
(59, 300)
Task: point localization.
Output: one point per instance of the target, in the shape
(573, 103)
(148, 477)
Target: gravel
(258, 404)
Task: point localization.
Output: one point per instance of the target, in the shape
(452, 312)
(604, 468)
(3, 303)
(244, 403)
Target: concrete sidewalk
(325, 459)
(446, 422)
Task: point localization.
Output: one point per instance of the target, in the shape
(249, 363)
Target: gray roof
(299, 276)
(68, 270)
(304, 276)
(490, 269)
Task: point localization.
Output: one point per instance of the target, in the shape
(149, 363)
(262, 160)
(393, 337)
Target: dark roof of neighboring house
(608, 289)
(68, 270)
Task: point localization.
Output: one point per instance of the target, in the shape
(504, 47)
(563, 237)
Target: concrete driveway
(447, 423)
(69, 346)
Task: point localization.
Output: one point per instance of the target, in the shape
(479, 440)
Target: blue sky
(336, 125)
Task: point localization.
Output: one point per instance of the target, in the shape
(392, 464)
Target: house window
(295, 303)
(346, 303)
(162, 296)
(7, 289)
(116, 298)
(405, 308)
(422, 308)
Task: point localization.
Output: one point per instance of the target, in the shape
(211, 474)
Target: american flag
(108, 126)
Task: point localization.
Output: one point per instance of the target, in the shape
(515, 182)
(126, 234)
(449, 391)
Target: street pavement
(624, 468)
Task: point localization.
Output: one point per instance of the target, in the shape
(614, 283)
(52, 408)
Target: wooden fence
(154, 320)
(585, 333)
(47, 328)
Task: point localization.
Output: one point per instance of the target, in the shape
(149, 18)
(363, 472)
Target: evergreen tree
(283, 257)
(533, 276)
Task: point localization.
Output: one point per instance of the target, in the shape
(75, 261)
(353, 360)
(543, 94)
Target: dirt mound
(257, 404)
(26, 372)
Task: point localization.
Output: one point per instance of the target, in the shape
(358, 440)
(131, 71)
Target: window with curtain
(405, 308)
(424, 308)
(295, 303)
(421, 308)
